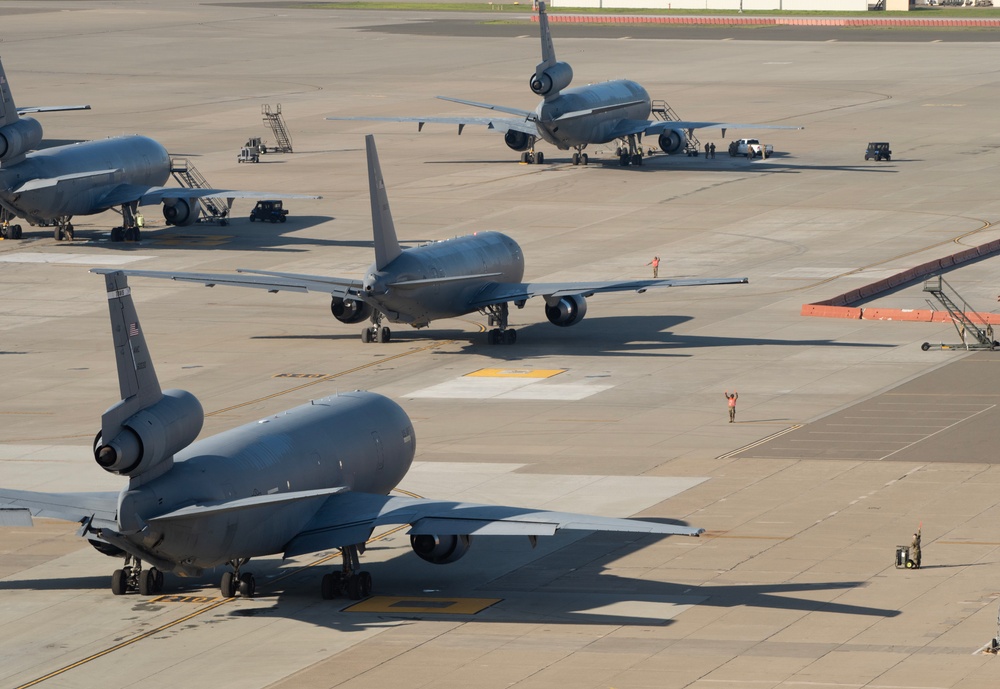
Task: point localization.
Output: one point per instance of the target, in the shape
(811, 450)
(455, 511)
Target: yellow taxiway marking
(515, 373)
(441, 606)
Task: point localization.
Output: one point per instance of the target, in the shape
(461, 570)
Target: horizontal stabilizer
(272, 282)
(50, 108)
(195, 512)
(71, 507)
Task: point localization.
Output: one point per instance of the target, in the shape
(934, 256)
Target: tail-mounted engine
(350, 310)
(554, 79)
(567, 311)
(152, 436)
(440, 550)
(180, 211)
(672, 140)
(17, 138)
(518, 141)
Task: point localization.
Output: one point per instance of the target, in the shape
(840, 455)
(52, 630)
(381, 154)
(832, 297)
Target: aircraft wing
(500, 124)
(260, 279)
(71, 507)
(49, 108)
(655, 127)
(501, 292)
(145, 195)
(348, 519)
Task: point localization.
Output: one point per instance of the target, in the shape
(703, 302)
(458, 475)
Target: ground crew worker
(731, 399)
(711, 150)
(707, 149)
(915, 550)
(656, 265)
(140, 222)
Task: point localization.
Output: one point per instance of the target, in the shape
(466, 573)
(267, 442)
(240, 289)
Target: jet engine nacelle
(17, 138)
(567, 311)
(519, 141)
(440, 550)
(180, 211)
(672, 141)
(152, 436)
(553, 80)
(350, 310)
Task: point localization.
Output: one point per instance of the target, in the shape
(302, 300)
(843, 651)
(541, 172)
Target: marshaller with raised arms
(315, 477)
(478, 272)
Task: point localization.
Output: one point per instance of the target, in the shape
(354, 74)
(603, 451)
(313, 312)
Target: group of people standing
(710, 150)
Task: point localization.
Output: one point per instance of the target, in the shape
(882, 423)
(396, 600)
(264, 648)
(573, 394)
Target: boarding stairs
(213, 209)
(980, 333)
(276, 123)
(663, 112)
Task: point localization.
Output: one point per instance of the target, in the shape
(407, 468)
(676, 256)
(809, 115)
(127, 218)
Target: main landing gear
(234, 582)
(498, 316)
(8, 231)
(580, 158)
(130, 230)
(63, 229)
(632, 155)
(377, 332)
(531, 158)
(350, 580)
(132, 577)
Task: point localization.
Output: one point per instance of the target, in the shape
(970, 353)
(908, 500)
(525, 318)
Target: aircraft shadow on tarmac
(562, 585)
(608, 336)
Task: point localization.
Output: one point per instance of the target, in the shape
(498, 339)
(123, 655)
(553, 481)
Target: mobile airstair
(276, 123)
(971, 326)
(211, 208)
(663, 112)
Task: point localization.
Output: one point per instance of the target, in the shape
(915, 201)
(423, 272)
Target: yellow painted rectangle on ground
(423, 606)
(515, 373)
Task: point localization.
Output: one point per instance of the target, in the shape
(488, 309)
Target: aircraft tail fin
(548, 50)
(8, 111)
(136, 378)
(386, 244)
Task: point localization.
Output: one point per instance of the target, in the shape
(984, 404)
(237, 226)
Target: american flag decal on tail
(133, 329)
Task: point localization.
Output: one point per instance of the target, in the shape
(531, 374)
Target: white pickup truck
(751, 148)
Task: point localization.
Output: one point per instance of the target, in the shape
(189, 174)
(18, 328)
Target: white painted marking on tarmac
(75, 259)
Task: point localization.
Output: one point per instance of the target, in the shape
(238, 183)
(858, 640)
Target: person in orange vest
(732, 404)
(656, 265)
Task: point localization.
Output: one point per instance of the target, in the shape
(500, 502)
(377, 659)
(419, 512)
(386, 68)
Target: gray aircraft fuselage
(489, 256)
(358, 440)
(618, 100)
(125, 159)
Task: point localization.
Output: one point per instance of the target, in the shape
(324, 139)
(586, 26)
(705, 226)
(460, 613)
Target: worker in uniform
(656, 265)
(915, 550)
(731, 400)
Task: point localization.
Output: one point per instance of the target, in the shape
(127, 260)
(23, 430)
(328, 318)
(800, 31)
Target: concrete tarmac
(794, 583)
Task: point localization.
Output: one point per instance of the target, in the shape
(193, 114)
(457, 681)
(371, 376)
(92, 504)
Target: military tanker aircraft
(315, 477)
(574, 118)
(50, 186)
(478, 272)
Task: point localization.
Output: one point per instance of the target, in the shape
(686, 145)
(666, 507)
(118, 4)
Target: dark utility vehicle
(268, 210)
(878, 150)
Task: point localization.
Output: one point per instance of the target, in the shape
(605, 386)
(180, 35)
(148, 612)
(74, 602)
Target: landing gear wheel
(539, 158)
(384, 334)
(367, 335)
(493, 337)
(576, 158)
(248, 585)
(117, 234)
(332, 585)
(584, 159)
(159, 580)
(510, 337)
(57, 233)
(228, 586)
(637, 159)
(364, 584)
(147, 582)
(119, 582)
(623, 159)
